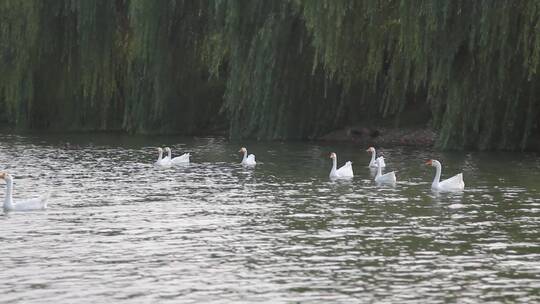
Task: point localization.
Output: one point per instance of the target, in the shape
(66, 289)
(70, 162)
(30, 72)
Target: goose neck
(8, 202)
(437, 178)
(334, 166)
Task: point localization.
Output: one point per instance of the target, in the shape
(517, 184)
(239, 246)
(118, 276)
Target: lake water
(119, 230)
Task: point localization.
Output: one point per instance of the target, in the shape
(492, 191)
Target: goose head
(370, 149)
(433, 163)
(333, 155)
(242, 150)
(6, 176)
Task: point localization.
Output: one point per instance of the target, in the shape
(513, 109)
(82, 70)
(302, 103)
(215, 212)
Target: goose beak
(429, 163)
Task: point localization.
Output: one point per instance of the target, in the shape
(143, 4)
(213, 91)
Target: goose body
(247, 160)
(182, 159)
(454, 183)
(387, 178)
(39, 203)
(373, 161)
(344, 172)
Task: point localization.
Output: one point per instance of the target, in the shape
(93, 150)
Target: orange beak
(429, 163)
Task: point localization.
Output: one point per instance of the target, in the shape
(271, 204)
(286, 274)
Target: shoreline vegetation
(458, 75)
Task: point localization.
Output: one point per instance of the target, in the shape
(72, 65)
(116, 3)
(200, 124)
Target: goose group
(168, 161)
(454, 183)
(374, 163)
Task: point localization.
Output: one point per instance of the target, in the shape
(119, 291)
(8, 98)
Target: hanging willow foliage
(275, 69)
(106, 65)
(167, 83)
(272, 90)
(18, 35)
(476, 62)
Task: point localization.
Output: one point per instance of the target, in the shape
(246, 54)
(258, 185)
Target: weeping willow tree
(106, 65)
(168, 85)
(475, 61)
(18, 35)
(58, 63)
(297, 67)
(274, 69)
(272, 90)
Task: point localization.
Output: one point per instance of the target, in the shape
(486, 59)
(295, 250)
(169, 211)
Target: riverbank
(383, 136)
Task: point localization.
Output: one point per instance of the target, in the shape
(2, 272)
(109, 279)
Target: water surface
(117, 229)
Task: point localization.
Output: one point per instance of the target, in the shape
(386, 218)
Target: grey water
(117, 229)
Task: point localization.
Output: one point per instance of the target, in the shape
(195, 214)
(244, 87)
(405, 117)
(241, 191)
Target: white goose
(247, 160)
(21, 205)
(345, 171)
(454, 183)
(373, 162)
(182, 159)
(162, 162)
(387, 178)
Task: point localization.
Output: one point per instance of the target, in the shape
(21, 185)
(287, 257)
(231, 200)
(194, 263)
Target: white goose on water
(387, 178)
(161, 161)
(454, 183)
(373, 162)
(21, 205)
(182, 159)
(345, 171)
(247, 160)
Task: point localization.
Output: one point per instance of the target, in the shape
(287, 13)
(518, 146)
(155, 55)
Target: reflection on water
(117, 228)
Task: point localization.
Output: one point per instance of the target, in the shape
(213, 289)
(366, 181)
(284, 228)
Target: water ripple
(214, 232)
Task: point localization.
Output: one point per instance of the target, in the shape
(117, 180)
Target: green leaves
(273, 69)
